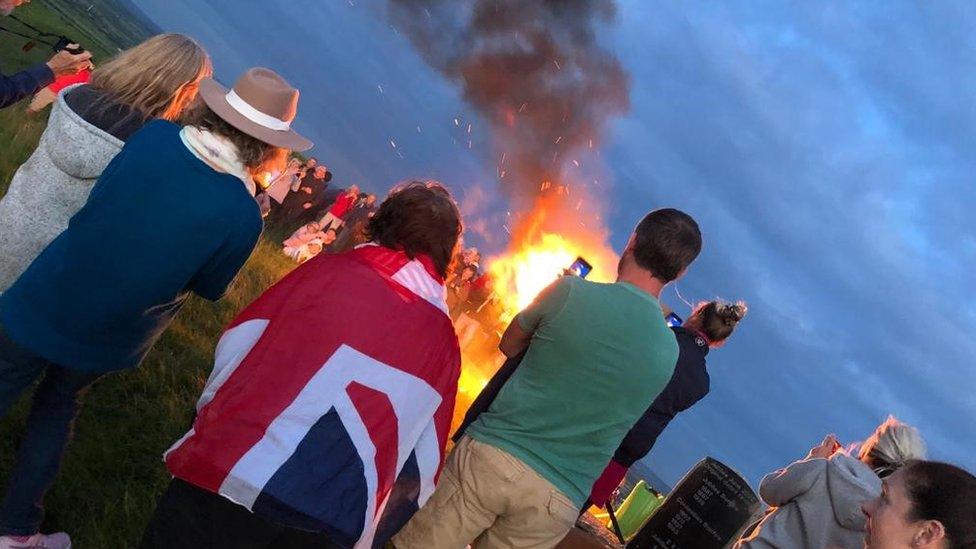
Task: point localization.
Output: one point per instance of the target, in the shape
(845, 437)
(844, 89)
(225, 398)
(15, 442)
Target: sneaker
(59, 540)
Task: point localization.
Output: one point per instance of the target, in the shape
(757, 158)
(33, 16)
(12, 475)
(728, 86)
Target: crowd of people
(472, 303)
(332, 220)
(326, 419)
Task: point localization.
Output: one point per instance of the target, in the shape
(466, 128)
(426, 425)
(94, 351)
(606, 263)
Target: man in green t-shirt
(596, 356)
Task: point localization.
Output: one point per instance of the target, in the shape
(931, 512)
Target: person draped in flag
(326, 416)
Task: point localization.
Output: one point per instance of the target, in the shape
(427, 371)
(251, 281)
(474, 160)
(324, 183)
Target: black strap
(613, 521)
(33, 28)
(27, 36)
(38, 33)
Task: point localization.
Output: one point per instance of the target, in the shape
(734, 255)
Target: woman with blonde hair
(816, 502)
(88, 126)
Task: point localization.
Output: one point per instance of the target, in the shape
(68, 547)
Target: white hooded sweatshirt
(817, 504)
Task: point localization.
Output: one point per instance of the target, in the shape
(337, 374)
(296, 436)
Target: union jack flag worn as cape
(331, 398)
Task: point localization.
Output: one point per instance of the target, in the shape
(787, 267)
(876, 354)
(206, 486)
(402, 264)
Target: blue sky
(825, 148)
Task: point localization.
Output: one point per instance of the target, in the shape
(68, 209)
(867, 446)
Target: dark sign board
(706, 510)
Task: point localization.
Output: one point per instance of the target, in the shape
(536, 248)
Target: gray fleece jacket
(50, 187)
(817, 504)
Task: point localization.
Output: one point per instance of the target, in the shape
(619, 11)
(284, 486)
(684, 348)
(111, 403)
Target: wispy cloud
(826, 152)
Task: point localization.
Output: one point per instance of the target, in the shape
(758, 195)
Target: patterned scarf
(218, 153)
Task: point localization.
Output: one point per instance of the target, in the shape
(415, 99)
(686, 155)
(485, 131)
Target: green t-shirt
(599, 355)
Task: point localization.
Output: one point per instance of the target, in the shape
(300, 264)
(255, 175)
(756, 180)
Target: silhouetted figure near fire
(525, 467)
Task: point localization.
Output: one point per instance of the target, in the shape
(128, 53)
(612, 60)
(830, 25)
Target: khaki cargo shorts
(491, 500)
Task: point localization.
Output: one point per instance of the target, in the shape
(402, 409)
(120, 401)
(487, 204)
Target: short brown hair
(666, 241)
(419, 218)
(251, 151)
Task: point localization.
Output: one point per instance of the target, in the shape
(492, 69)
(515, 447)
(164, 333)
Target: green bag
(636, 509)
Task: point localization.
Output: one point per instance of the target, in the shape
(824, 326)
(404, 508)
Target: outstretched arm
(780, 487)
(546, 306)
(30, 81)
(25, 83)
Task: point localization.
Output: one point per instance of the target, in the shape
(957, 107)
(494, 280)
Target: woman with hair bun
(924, 505)
(709, 326)
(817, 501)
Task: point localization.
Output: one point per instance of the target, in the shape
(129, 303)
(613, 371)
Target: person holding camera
(710, 325)
(31, 80)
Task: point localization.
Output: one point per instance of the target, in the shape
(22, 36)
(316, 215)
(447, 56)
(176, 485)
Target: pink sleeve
(604, 486)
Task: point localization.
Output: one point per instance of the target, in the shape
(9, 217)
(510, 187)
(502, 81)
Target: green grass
(113, 472)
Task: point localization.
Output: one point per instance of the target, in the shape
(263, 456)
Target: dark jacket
(352, 233)
(688, 385)
(26, 82)
(293, 213)
(99, 109)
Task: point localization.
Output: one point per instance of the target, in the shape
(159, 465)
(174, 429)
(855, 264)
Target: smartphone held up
(580, 268)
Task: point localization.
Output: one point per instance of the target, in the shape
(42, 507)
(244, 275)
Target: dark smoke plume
(533, 68)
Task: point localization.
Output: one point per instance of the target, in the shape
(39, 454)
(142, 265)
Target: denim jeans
(53, 410)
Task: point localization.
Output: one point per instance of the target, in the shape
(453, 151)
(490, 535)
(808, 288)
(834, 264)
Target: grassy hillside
(113, 472)
(102, 26)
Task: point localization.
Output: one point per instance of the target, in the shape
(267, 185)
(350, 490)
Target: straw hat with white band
(261, 104)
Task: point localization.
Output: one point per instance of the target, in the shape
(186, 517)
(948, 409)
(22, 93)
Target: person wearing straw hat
(177, 206)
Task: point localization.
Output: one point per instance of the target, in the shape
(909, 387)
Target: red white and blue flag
(331, 398)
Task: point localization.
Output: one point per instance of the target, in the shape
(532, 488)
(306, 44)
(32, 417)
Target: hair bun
(732, 313)
(717, 319)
